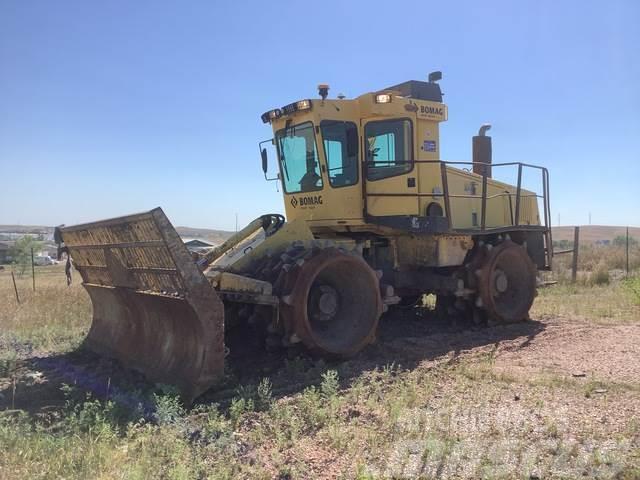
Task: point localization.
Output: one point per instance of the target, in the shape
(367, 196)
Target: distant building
(197, 245)
(5, 249)
(50, 249)
(45, 248)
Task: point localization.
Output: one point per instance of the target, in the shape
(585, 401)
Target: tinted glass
(389, 148)
(340, 140)
(299, 159)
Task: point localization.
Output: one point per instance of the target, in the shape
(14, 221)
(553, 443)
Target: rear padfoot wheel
(506, 283)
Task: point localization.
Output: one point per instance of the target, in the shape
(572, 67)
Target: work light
(303, 105)
(271, 115)
(296, 106)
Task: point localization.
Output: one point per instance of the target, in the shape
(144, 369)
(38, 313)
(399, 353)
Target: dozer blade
(153, 309)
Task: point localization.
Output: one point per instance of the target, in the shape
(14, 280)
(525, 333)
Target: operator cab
(331, 151)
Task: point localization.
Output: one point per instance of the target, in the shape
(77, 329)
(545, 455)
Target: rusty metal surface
(506, 282)
(152, 307)
(350, 320)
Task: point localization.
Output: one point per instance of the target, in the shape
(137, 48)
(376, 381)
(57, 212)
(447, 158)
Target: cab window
(340, 141)
(299, 158)
(389, 148)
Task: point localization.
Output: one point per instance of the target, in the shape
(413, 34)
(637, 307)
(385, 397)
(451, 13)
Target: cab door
(339, 141)
(391, 179)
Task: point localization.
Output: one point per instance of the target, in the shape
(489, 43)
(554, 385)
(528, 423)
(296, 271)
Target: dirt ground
(562, 348)
(554, 397)
(571, 347)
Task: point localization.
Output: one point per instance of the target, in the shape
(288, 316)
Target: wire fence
(30, 276)
(599, 261)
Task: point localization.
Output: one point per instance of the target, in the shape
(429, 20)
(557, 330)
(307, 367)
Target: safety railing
(446, 195)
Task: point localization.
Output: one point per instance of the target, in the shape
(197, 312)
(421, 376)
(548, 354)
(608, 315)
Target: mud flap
(153, 309)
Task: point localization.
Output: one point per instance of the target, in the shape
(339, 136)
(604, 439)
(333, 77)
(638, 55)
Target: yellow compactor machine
(374, 218)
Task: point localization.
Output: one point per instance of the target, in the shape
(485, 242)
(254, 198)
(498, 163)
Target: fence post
(15, 287)
(33, 271)
(627, 255)
(574, 263)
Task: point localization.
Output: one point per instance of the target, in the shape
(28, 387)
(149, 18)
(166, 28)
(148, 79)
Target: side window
(340, 141)
(389, 147)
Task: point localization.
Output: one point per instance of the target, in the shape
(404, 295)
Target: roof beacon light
(323, 90)
(383, 98)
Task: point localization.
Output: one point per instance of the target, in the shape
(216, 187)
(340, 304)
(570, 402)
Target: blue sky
(115, 107)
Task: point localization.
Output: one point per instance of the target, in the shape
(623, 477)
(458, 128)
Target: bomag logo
(427, 110)
(308, 201)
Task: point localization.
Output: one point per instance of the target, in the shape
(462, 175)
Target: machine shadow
(43, 384)
(406, 338)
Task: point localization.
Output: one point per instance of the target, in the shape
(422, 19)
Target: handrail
(452, 195)
(446, 195)
(459, 162)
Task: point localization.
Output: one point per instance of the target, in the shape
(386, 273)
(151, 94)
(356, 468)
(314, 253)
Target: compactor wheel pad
(334, 303)
(507, 283)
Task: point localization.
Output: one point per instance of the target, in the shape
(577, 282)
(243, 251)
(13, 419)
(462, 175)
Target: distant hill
(588, 233)
(213, 236)
(593, 233)
(25, 229)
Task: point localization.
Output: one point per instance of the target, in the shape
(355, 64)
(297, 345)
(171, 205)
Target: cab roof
(419, 90)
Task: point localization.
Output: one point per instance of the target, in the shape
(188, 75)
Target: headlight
(383, 98)
(303, 105)
(294, 107)
(271, 115)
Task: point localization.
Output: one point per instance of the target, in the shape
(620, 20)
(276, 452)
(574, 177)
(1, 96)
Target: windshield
(299, 158)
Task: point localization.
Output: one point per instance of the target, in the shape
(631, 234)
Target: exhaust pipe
(481, 152)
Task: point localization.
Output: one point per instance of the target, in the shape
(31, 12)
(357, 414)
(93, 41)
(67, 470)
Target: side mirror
(265, 161)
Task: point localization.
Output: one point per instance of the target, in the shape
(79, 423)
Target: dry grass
(463, 418)
(602, 292)
(605, 304)
(596, 264)
(54, 317)
(460, 420)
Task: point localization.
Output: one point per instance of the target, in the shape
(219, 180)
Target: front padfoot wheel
(333, 303)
